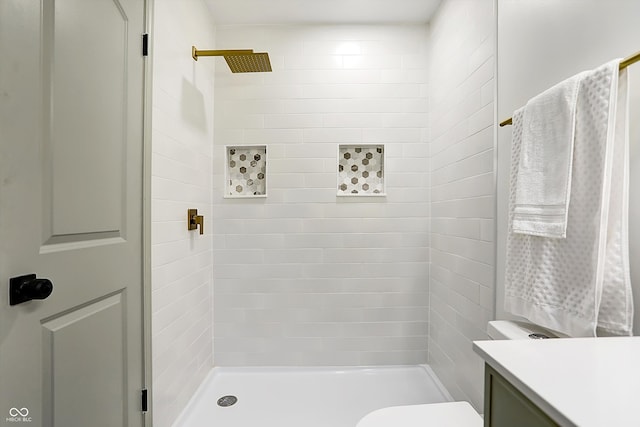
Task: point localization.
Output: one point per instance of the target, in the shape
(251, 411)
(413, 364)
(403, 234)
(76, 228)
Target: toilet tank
(513, 330)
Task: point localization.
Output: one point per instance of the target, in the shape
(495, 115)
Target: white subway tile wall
(304, 277)
(182, 147)
(462, 192)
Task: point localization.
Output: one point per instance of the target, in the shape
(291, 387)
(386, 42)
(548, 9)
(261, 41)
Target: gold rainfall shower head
(240, 60)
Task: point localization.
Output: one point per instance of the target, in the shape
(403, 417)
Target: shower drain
(225, 401)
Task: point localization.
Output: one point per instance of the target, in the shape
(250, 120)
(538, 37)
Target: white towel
(581, 284)
(546, 157)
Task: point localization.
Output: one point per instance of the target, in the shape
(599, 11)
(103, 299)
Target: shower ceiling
(239, 12)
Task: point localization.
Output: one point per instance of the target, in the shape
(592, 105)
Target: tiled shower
(306, 277)
(309, 275)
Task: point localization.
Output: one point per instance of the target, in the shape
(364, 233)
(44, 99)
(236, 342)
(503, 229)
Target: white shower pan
(310, 397)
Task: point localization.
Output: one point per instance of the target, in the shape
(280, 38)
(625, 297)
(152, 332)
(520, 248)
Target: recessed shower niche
(246, 171)
(361, 170)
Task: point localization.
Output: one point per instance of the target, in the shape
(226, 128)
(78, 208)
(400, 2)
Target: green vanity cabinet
(505, 406)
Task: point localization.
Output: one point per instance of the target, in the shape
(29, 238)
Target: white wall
(182, 146)
(462, 192)
(303, 277)
(543, 42)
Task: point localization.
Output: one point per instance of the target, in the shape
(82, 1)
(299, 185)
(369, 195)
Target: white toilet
(448, 414)
(451, 414)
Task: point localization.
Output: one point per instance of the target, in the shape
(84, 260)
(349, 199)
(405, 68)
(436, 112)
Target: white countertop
(585, 382)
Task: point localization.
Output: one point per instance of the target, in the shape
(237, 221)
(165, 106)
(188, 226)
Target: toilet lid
(449, 414)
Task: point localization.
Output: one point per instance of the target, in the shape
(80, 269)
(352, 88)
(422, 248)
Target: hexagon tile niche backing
(361, 170)
(246, 171)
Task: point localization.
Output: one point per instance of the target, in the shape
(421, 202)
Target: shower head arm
(195, 53)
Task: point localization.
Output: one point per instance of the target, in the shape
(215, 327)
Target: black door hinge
(145, 44)
(145, 401)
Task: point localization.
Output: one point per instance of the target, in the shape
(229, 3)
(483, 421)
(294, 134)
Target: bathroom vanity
(585, 382)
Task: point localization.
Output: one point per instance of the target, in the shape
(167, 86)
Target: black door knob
(27, 288)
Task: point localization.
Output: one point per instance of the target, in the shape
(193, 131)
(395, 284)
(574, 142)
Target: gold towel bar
(623, 64)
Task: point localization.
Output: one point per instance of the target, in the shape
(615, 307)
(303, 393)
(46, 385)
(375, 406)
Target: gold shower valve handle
(200, 222)
(194, 220)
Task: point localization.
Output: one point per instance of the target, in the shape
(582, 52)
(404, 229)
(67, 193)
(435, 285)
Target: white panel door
(71, 158)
